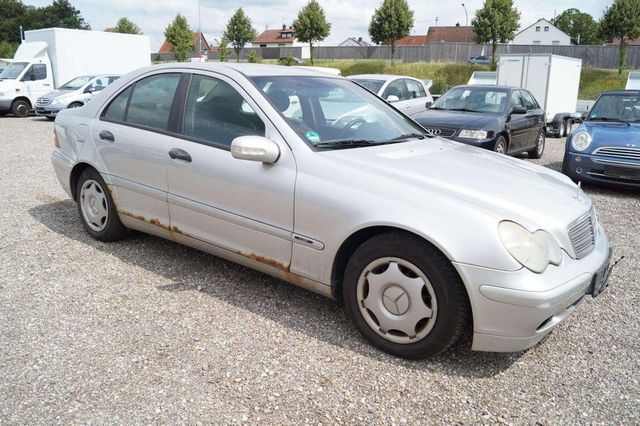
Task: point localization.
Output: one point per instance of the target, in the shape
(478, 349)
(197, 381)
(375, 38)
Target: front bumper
(489, 143)
(5, 104)
(49, 110)
(620, 172)
(62, 165)
(514, 310)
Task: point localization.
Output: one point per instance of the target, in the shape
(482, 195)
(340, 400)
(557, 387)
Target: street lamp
(466, 21)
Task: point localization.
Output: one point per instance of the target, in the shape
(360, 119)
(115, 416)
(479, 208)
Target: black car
(503, 119)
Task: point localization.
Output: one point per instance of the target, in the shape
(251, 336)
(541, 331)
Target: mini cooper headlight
(581, 141)
(533, 250)
(473, 134)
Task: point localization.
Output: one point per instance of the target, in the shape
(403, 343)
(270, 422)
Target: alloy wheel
(93, 204)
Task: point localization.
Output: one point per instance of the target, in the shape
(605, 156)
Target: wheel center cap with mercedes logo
(395, 300)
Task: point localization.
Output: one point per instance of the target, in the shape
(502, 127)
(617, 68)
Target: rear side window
(217, 113)
(151, 101)
(118, 107)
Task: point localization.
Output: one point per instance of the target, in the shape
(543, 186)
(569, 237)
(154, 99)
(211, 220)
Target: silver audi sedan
(312, 179)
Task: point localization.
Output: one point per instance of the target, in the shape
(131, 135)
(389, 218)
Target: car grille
(440, 131)
(619, 152)
(43, 101)
(582, 234)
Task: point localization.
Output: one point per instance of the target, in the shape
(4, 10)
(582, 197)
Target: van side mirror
(255, 148)
(392, 98)
(518, 110)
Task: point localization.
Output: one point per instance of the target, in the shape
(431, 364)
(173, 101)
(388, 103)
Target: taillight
(56, 142)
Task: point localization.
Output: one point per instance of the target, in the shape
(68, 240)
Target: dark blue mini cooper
(605, 148)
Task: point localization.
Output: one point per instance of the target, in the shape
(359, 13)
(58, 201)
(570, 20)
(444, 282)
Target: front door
(242, 206)
(131, 141)
(36, 82)
(417, 98)
(520, 125)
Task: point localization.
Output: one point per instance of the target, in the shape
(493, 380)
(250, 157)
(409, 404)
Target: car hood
(501, 186)
(613, 133)
(455, 119)
(60, 94)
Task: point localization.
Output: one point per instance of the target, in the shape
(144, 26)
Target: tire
(538, 150)
(562, 129)
(51, 118)
(75, 105)
(20, 108)
(501, 146)
(96, 208)
(417, 290)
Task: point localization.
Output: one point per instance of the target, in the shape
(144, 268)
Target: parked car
(72, 94)
(605, 148)
(408, 94)
(503, 119)
(292, 59)
(419, 236)
(480, 60)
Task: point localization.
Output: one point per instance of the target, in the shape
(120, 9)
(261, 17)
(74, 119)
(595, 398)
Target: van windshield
(77, 82)
(13, 71)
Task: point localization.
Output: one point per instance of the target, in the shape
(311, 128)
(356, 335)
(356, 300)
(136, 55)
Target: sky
(348, 19)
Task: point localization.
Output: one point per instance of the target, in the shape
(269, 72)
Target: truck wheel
(562, 129)
(20, 108)
(404, 296)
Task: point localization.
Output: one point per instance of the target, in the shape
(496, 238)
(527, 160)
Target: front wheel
(404, 296)
(96, 208)
(539, 148)
(20, 108)
(501, 145)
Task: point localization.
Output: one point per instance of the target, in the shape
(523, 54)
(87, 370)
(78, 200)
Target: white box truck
(554, 81)
(50, 57)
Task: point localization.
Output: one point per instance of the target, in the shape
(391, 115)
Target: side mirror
(519, 110)
(90, 89)
(428, 104)
(392, 98)
(255, 148)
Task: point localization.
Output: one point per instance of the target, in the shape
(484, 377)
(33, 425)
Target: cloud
(348, 19)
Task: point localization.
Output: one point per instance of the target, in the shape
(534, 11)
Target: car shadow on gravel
(305, 312)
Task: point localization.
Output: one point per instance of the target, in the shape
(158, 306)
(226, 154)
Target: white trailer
(482, 77)
(633, 81)
(50, 57)
(553, 80)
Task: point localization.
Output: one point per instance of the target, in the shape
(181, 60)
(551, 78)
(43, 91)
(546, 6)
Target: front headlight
(581, 141)
(473, 134)
(535, 251)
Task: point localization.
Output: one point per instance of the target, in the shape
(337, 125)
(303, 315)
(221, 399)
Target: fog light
(579, 170)
(578, 159)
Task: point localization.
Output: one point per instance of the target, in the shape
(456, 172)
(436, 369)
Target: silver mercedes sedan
(312, 179)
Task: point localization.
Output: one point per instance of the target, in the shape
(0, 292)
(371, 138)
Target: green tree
(59, 14)
(497, 22)
(180, 37)
(311, 25)
(125, 26)
(390, 22)
(621, 21)
(579, 25)
(7, 49)
(239, 31)
(223, 49)
(10, 13)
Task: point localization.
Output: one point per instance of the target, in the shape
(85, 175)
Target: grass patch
(594, 81)
(444, 76)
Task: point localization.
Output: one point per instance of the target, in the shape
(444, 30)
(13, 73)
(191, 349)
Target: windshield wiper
(402, 138)
(347, 143)
(464, 110)
(611, 120)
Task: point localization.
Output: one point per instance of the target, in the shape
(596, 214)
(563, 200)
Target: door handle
(180, 154)
(46, 85)
(106, 135)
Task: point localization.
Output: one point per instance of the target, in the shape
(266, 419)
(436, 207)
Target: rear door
(132, 139)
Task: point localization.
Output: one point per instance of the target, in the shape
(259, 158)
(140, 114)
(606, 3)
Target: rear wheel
(539, 148)
(562, 129)
(501, 146)
(404, 296)
(96, 208)
(20, 108)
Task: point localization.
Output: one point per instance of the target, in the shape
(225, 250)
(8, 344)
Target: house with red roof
(200, 44)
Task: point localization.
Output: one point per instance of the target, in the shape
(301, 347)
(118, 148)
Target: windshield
(77, 83)
(371, 85)
(13, 70)
(616, 107)
(333, 113)
(474, 99)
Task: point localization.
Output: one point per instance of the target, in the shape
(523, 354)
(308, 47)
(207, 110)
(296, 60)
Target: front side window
(35, 73)
(529, 100)
(395, 88)
(473, 99)
(332, 113)
(151, 101)
(371, 85)
(516, 100)
(616, 107)
(215, 112)
(118, 107)
(415, 89)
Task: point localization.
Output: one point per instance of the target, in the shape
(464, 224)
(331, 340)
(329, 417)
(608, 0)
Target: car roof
(385, 77)
(250, 70)
(491, 86)
(621, 92)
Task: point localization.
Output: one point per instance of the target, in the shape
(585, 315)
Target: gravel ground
(147, 331)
